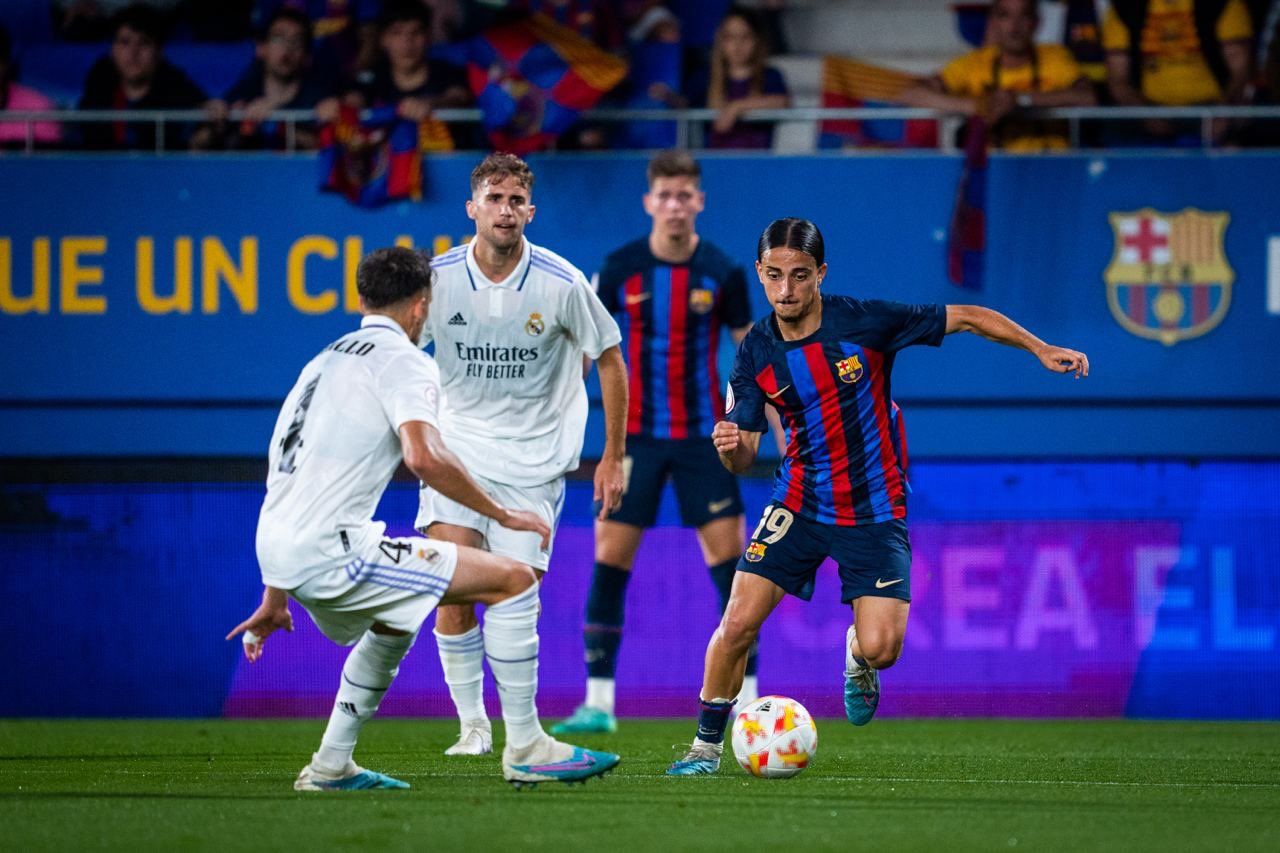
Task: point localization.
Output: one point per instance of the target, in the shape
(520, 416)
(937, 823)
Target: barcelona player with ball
(824, 363)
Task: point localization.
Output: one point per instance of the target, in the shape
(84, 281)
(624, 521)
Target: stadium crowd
(318, 55)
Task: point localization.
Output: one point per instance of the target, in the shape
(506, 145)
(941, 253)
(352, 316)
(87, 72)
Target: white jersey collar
(382, 321)
(515, 281)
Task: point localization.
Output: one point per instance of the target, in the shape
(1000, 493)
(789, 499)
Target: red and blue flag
(532, 78)
(372, 160)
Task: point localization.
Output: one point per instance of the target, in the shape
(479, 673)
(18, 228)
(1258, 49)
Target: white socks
(462, 658)
(366, 675)
(511, 645)
(600, 694)
(750, 691)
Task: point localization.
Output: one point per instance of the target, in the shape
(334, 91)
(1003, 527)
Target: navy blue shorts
(874, 559)
(705, 490)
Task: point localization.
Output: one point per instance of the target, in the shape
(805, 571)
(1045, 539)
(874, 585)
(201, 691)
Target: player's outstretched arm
(994, 326)
(272, 615)
(737, 447)
(431, 462)
(613, 396)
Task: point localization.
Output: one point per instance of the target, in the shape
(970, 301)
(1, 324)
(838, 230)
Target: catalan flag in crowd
(967, 236)
(532, 78)
(849, 83)
(379, 158)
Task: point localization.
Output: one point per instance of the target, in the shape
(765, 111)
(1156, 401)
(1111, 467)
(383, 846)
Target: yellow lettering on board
(296, 275)
(38, 301)
(242, 280)
(181, 298)
(74, 276)
(352, 254)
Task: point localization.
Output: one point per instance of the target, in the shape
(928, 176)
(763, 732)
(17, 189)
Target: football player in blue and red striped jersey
(673, 294)
(824, 363)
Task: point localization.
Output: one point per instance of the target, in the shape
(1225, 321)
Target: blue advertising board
(163, 306)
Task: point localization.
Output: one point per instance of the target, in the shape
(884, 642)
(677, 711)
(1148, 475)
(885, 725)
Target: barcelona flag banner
(532, 78)
(967, 234)
(377, 159)
(849, 83)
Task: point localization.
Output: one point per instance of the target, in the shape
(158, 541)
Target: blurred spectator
(655, 55)
(344, 32)
(16, 97)
(91, 20)
(739, 80)
(1177, 53)
(1264, 133)
(280, 78)
(1009, 73)
(403, 75)
(134, 75)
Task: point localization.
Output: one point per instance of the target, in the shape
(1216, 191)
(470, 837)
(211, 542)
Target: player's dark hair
(398, 11)
(673, 163)
(799, 234)
(388, 276)
(499, 166)
(141, 19)
(287, 13)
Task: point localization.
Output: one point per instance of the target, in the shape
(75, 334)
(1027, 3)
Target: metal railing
(689, 123)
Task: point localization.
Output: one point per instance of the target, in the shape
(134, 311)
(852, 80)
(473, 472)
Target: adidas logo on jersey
(458, 320)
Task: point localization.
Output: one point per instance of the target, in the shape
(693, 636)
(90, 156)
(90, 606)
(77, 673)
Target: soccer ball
(774, 738)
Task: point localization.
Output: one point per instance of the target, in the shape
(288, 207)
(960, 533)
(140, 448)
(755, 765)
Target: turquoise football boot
(702, 759)
(861, 686)
(587, 720)
(351, 778)
(549, 760)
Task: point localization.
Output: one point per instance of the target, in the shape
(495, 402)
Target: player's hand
(1063, 360)
(608, 485)
(272, 615)
(726, 437)
(522, 519)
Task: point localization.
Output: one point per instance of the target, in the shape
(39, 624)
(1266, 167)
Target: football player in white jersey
(369, 400)
(512, 324)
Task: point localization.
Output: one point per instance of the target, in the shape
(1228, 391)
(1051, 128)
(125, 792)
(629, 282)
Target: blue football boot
(702, 759)
(350, 778)
(549, 760)
(861, 686)
(587, 720)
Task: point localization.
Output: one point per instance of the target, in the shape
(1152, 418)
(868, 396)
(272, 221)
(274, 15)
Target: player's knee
(881, 651)
(518, 577)
(455, 618)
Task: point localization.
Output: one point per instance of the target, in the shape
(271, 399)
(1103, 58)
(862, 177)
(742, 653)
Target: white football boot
(476, 738)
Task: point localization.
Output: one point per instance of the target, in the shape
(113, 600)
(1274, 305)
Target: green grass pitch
(895, 785)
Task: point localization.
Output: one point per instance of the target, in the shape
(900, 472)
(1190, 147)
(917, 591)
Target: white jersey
(336, 446)
(510, 356)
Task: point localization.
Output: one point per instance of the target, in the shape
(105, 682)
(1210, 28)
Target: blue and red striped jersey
(671, 317)
(846, 457)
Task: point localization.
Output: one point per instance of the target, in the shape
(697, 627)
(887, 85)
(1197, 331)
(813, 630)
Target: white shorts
(397, 583)
(546, 500)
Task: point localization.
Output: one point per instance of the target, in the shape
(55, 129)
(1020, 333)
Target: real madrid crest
(535, 326)
(849, 369)
(1169, 279)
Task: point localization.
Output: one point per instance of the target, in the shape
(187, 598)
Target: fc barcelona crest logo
(701, 300)
(755, 552)
(535, 326)
(1169, 279)
(850, 369)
